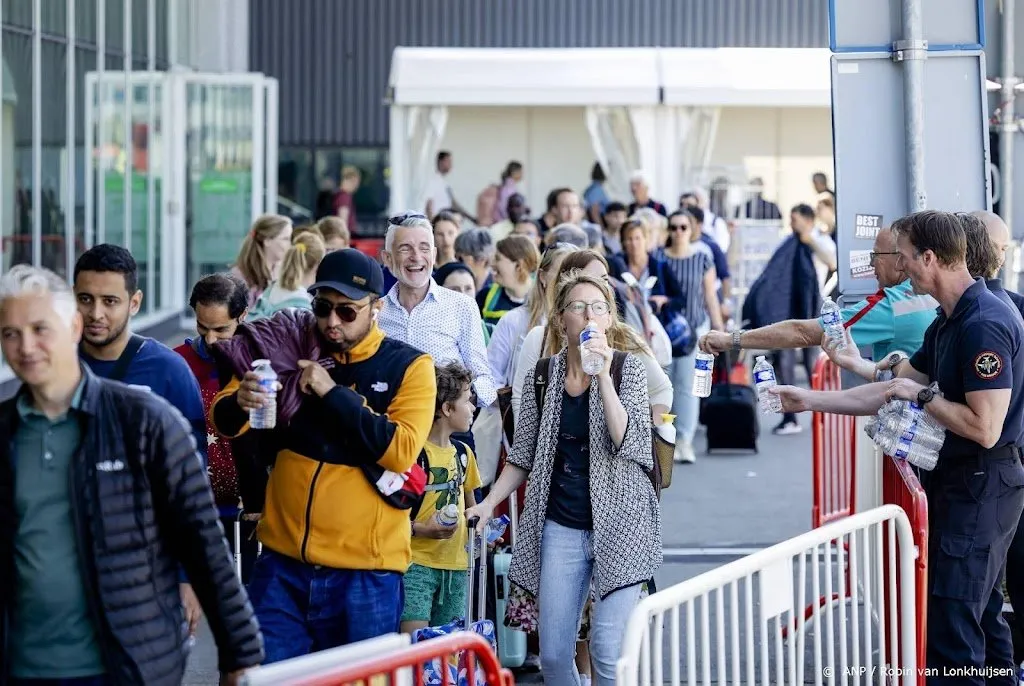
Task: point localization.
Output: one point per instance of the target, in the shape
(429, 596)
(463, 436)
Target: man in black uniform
(976, 492)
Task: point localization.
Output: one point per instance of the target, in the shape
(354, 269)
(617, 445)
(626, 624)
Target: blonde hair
(620, 336)
(252, 257)
(538, 304)
(333, 227)
(576, 260)
(303, 256)
(522, 251)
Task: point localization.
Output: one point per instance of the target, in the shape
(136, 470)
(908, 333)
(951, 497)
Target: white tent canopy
(654, 109)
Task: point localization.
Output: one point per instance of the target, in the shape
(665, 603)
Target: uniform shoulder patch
(988, 365)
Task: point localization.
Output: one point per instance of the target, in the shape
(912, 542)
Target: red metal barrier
(900, 486)
(388, 666)
(834, 444)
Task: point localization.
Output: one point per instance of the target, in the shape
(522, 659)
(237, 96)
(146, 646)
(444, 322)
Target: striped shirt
(892, 319)
(446, 326)
(690, 271)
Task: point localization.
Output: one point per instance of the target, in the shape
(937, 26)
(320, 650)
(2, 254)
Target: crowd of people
(446, 377)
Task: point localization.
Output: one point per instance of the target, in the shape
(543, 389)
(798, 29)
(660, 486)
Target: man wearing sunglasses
(353, 411)
(894, 318)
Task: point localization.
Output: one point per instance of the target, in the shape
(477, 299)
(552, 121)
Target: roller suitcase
(730, 412)
(511, 642)
(476, 589)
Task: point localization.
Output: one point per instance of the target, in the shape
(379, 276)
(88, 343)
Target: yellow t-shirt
(448, 553)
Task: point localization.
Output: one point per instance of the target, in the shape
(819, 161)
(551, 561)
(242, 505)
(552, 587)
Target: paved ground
(718, 509)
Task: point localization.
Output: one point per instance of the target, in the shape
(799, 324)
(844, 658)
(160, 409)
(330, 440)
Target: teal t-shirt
(52, 635)
(892, 319)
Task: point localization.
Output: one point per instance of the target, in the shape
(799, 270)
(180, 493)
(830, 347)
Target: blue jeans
(304, 608)
(685, 405)
(566, 568)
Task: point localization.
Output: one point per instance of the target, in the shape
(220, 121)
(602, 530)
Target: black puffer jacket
(136, 524)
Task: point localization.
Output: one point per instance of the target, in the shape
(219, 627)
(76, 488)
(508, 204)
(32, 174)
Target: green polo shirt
(52, 635)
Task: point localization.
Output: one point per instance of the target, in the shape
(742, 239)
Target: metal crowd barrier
(731, 621)
(834, 442)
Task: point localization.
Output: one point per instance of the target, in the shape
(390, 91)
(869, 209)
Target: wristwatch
(736, 336)
(925, 396)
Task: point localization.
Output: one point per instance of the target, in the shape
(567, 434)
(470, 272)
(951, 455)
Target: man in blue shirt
(106, 289)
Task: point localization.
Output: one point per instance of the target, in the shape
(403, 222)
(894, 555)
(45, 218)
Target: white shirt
(438, 194)
(505, 343)
(717, 229)
(659, 386)
(446, 326)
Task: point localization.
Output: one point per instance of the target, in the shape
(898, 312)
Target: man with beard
(353, 411)
(106, 282)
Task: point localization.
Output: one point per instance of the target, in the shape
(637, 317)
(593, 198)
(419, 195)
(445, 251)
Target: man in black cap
(353, 411)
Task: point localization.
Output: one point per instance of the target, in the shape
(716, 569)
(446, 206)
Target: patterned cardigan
(627, 516)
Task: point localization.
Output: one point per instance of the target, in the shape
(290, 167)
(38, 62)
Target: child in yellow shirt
(435, 585)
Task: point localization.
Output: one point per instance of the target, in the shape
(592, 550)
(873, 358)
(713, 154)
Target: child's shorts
(435, 596)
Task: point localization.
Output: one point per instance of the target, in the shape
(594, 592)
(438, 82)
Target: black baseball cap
(349, 272)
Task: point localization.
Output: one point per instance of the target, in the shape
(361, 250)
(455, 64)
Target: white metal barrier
(753, 627)
(308, 667)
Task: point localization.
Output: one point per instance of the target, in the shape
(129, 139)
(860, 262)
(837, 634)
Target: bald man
(999, 235)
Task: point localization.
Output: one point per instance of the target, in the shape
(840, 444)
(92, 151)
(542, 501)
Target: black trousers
(1015, 589)
(974, 506)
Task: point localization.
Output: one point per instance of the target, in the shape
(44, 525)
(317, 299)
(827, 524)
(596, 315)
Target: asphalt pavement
(724, 506)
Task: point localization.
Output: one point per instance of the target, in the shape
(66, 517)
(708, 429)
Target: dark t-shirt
(980, 347)
(165, 373)
(569, 498)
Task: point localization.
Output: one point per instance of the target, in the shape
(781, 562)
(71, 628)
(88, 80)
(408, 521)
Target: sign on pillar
(869, 121)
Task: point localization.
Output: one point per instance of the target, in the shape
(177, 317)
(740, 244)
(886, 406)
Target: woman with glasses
(695, 272)
(542, 342)
(591, 512)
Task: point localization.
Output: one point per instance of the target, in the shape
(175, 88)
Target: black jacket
(134, 526)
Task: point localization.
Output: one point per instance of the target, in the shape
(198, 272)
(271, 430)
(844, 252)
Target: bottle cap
(667, 418)
(260, 363)
(759, 358)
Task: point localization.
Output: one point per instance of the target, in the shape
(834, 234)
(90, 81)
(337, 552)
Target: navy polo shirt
(978, 348)
(1014, 300)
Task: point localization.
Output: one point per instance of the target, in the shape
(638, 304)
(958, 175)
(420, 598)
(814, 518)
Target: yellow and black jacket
(320, 508)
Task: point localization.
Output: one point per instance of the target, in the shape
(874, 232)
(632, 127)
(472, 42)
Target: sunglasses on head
(399, 218)
(322, 308)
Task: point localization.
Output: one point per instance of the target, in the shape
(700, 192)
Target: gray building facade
(332, 59)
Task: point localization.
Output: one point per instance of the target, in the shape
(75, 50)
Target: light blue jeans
(686, 406)
(566, 568)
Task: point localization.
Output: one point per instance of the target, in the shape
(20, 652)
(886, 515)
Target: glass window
(85, 20)
(16, 148)
(53, 115)
(85, 62)
(17, 13)
(296, 183)
(115, 25)
(54, 17)
(372, 196)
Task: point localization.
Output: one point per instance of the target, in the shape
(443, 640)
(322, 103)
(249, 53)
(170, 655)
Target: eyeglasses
(347, 313)
(398, 219)
(874, 255)
(598, 308)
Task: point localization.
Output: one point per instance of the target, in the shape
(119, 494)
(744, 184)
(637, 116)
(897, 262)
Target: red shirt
(343, 199)
(221, 461)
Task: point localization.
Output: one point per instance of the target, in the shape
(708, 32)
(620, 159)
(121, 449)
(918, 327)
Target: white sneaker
(684, 453)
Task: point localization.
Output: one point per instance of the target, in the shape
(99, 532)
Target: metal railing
(752, 627)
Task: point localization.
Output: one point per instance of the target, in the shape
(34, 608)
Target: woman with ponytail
(297, 273)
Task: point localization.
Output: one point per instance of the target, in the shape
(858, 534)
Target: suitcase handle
(473, 584)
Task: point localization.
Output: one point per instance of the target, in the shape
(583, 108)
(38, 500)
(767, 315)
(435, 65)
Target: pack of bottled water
(904, 430)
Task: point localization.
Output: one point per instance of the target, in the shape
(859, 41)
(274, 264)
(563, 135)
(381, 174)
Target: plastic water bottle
(703, 365)
(764, 378)
(832, 322)
(593, 363)
(448, 516)
(266, 416)
(496, 528)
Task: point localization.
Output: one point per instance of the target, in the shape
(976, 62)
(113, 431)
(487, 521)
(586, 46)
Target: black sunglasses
(322, 308)
(398, 219)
